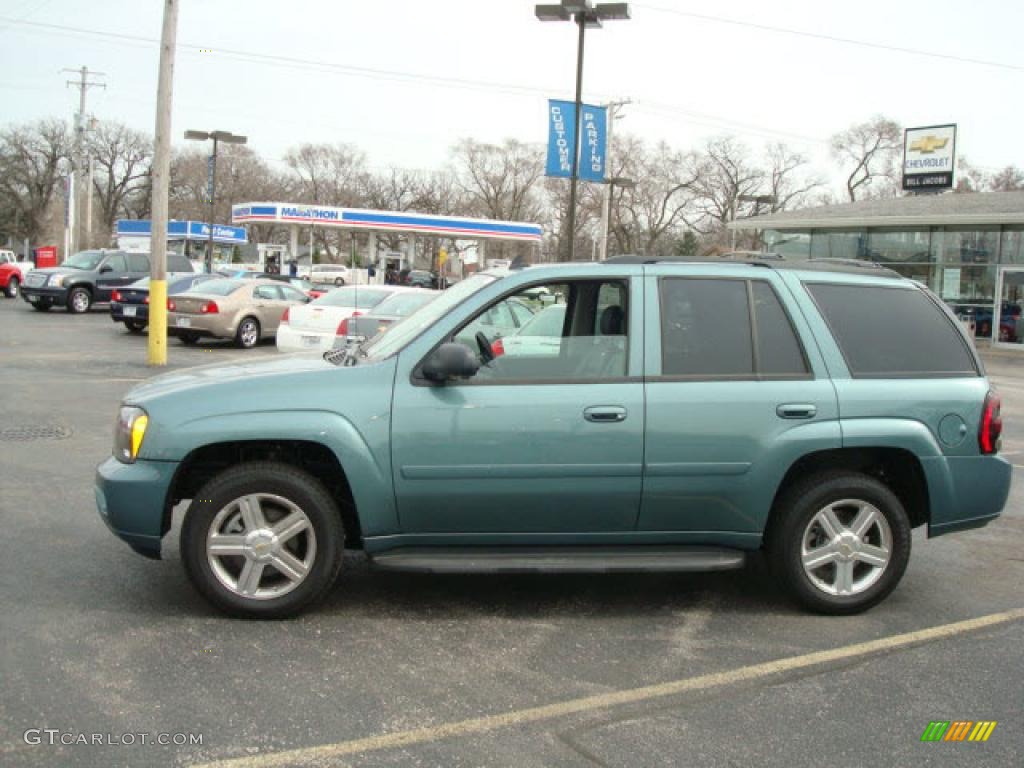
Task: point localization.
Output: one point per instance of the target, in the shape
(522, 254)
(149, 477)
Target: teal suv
(686, 415)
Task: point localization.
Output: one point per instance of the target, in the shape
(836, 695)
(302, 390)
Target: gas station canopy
(381, 221)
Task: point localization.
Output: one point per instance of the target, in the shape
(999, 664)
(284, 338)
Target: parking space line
(561, 709)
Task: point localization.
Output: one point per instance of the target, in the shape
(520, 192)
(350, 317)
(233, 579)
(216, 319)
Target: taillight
(115, 296)
(171, 306)
(991, 424)
(284, 317)
(497, 348)
(343, 325)
(209, 308)
(146, 300)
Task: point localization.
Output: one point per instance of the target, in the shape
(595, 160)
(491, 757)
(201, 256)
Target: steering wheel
(486, 353)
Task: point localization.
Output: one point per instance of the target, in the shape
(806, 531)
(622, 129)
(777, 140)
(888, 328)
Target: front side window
(115, 262)
(575, 332)
(892, 331)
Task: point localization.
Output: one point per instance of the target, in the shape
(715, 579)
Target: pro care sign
(929, 157)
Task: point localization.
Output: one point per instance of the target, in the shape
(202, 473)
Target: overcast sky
(405, 79)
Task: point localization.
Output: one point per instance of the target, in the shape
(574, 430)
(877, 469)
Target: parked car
(503, 319)
(130, 305)
(12, 273)
(392, 309)
(244, 310)
(541, 335)
(334, 274)
(321, 324)
(698, 412)
(420, 278)
(88, 277)
(301, 283)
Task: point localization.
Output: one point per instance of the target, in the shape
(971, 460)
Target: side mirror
(450, 361)
(106, 268)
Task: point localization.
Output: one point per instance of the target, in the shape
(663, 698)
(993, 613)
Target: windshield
(217, 287)
(404, 331)
(548, 322)
(352, 296)
(85, 260)
(404, 304)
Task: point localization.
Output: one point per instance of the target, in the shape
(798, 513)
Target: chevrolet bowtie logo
(928, 145)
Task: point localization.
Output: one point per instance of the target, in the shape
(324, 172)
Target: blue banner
(593, 143)
(561, 137)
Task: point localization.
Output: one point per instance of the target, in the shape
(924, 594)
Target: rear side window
(706, 331)
(897, 332)
(137, 262)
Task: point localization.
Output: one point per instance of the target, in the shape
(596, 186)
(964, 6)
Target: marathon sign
(929, 157)
(304, 213)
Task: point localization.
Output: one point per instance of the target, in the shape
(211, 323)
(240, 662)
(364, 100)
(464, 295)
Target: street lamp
(586, 15)
(606, 215)
(211, 186)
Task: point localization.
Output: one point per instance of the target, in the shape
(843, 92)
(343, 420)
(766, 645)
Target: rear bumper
(292, 340)
(131, 500)
(201, 325)
(118, 315)
(966, 491)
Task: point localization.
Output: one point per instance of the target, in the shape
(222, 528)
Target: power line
(833, 38)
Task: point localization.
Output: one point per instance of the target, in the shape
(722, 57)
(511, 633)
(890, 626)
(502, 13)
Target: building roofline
(853, 222)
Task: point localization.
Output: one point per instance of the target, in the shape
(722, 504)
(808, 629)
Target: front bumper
(132, 500)
(43, 293)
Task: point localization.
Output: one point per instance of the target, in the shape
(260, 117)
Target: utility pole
(83, 84)
(157, 349)
(606, 207)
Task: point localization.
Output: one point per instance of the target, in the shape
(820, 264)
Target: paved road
(97, 639)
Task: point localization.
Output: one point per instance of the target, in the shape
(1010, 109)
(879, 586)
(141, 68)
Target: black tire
(79, 301)
(11, 291)
(248, 334)
(135, 326)
(339, 281)
(298, 487)
(793, 513)
(42, 306)
(188, 338)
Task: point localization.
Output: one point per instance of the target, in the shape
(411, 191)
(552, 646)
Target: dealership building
(968, 248)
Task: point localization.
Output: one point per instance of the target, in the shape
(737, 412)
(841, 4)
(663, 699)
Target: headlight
(56, 280)
(129, 433)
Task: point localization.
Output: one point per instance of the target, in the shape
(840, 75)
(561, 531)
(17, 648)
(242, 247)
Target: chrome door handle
(605, 414)
(797, 411)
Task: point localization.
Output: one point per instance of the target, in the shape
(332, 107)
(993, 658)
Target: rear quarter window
(892, 332)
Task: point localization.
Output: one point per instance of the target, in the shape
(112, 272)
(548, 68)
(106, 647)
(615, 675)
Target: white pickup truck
(12, 273)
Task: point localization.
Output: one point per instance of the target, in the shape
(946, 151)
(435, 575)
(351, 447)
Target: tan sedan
(243, 310)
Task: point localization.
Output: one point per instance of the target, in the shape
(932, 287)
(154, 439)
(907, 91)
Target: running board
(558, 559)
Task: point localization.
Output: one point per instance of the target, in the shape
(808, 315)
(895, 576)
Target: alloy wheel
(846, 547)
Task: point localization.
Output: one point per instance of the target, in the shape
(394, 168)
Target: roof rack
(769, 260)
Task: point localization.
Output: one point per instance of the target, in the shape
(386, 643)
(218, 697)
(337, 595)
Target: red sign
(46, 256)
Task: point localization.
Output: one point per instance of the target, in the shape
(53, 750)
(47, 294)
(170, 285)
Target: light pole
(606, 214)
(211, 187)
(585, 14)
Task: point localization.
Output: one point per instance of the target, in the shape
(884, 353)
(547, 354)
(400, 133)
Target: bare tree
(870, 151)
(31, 160)
(1009, 179)
(787, 182)
(723, 175)
(121, 159)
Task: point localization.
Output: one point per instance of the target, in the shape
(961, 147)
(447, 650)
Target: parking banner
(593, 143)
(561, 137)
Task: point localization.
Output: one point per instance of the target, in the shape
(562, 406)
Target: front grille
(35, 281)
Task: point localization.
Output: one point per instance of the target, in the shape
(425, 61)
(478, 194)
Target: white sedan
(319, 324)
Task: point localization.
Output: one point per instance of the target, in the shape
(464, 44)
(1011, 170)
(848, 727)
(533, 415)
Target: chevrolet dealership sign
(929, 156)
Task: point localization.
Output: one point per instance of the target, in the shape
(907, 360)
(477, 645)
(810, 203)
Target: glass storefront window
(1012, 249)
(973, 245)
(838, 244)
(899, 245)
(792, 244)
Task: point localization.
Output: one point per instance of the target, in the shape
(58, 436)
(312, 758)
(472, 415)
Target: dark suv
(88, 277)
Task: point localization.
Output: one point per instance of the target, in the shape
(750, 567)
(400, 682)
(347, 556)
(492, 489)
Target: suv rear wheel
(840, 542)
(79, 300)
(262, 540)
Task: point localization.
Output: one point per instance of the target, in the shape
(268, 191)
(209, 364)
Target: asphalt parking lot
(397, 669)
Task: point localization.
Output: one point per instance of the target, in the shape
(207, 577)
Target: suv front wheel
(840, 542)
(262, 540)
(79, 300)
